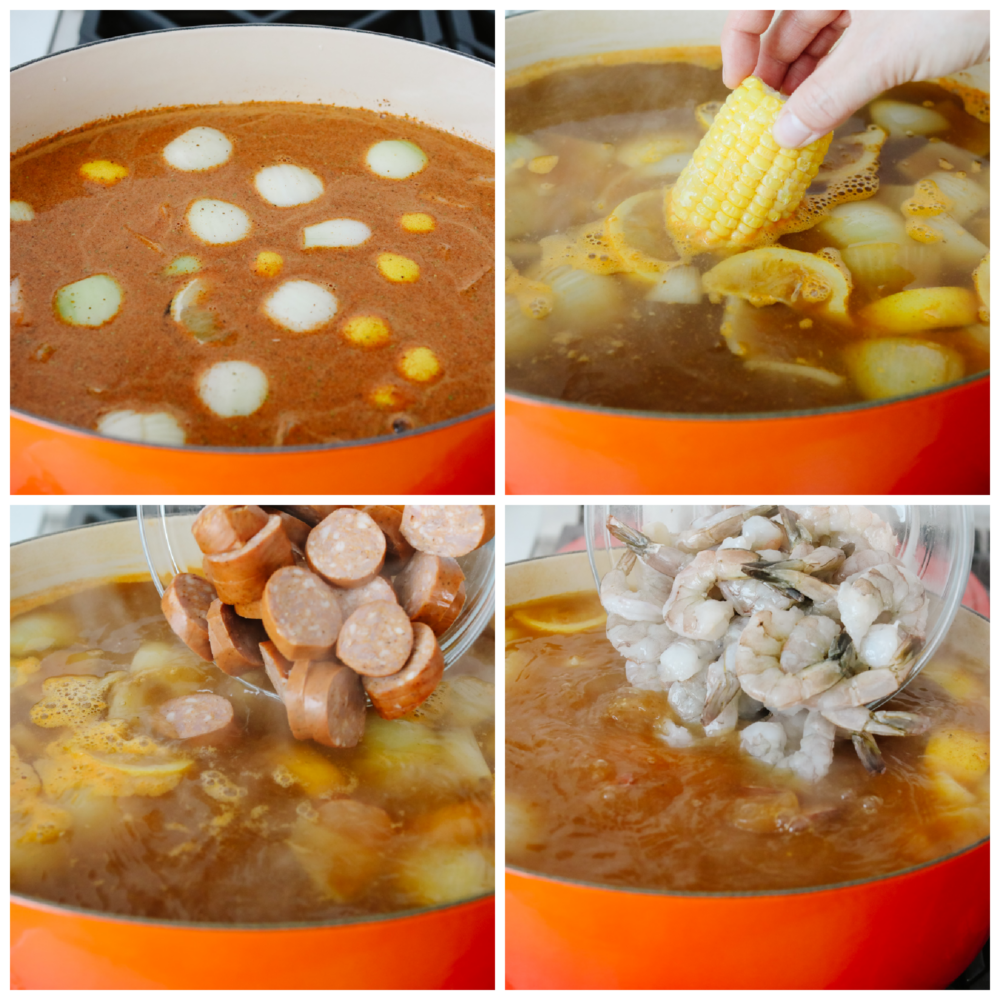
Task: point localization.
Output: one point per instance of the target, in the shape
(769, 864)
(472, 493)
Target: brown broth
(671, 357)
(319, 383)
(187, 855)
(605, 801)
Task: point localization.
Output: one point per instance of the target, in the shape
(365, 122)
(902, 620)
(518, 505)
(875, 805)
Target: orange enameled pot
(64, 947)
(231, 64)
(931, 442)
(918, 929)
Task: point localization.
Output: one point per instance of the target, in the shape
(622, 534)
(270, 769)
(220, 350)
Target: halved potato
(922, 309)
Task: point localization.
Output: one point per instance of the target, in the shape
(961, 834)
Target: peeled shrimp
(765, 741)
(879, 590)
(689, 611)
(642, 642)
(861, 560)
(815, 754)
(758, 534)
(711, 530)
(863, 725)
(683, 658)
(653, 586)
(644, 676)
(853, 524)
(617, 599)
(808, 643)
(721, 687)
(662, 558)
(799, 585)
(687, 698)
(758, 663)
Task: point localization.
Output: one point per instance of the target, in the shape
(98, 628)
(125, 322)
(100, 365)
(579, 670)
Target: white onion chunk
(285, 185)
(396, 159)
(198, 149)
(218, 222)
(335, 233)
(301, 306)
(233, 388)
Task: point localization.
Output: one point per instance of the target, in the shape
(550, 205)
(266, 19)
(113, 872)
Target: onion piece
(218, 222)
(679, 285)
(903, 118)
(794, 370)
(300, 306)
(895, 366)
(182, 265)
(186, 309)
(335, 233)
(150, 428)
(91, 301)
(199, 148)
(233, 388)
(396, 159)
(21, 211)
(285, 185)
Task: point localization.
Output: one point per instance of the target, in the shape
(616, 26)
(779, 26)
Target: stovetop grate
(468, 31)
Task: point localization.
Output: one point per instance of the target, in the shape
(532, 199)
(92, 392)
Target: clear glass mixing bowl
(935, 542)
(170, 549)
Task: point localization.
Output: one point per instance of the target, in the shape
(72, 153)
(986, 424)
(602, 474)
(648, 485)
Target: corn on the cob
(741, 189)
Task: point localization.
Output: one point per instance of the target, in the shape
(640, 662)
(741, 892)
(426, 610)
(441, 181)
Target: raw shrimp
(815, 754)
(892, 590)
(644, 676)
(687, 698)
(801, 586)
(721, 687)
(861, 560)
(758, 663)
(653, 586)
(689, 611)
(853, 524)
(765, 741)
(797, 532)
(642, 642)
(822, 560)
(758, 534)
(808, 642)
(617, 599)
(674, 735)
(862, 725)
(725, 721)
(683, 658)
(711, 530)
(748, 596)
(662, 558)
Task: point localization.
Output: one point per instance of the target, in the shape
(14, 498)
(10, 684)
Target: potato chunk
(922, 309)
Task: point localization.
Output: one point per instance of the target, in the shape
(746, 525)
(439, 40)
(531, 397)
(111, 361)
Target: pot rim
(750, 893)
(256, 449)
(844, 408)
(48, 906)
(241, 27)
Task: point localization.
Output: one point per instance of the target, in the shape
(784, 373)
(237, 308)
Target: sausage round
(376, 640)
(401, 692)
(352, 598)
(224, 528)
(449, 529)
(235, 640)
(326, 703)
(296, 529)
(251, 610)
(241, 575)
(276, 666)
(428, 589)
(347, 548)
(191, 715)
(389, 519)
(301, 614)
(185, 604)
(311, 515)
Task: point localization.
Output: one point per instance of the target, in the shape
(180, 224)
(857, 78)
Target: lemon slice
(777, 274)
(637, 232)
(560, 619)
(141, 765)
(584, 248)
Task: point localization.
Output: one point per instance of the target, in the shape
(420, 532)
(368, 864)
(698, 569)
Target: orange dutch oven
(930, 442)
(917, 929)
(231, 64)
(64, 947)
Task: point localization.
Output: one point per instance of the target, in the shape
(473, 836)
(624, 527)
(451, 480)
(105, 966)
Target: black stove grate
(468, 31)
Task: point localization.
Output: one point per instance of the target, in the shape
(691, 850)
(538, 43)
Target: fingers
(741, 44)
(794, 33)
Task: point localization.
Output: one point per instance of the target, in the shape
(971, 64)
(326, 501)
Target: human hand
(875, 50)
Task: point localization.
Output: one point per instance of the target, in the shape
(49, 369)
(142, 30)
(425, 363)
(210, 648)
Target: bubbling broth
(593, 794)
(252, 275)
(252, 826)
(600, 310)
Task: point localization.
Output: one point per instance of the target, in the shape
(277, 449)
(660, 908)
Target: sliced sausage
(347, 548)
(296, 529)
(311, 515)
(191, 715)
(240, 576)
(235, 640)
(428, 589)
(185, 604)
(352, 598)
(277, 667)
(251, 610)
(447, 530)
(326, 703)
(224, 528)
(376, 640)
(399, 693)
(301, 614)
(389, 519)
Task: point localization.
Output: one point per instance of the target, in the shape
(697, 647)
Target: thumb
(839, 85)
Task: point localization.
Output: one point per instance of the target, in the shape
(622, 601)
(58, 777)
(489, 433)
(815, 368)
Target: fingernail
(790, 133)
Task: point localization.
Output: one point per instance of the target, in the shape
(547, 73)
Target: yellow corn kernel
(397, 268)
(417, 222)
(387, 397)
(741, 189)
(268, 263)
(366, 331)
(419, 364)
(103, 172)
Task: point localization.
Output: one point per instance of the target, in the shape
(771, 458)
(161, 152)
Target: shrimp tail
(868, 752)
(719, 698)
(627, 535)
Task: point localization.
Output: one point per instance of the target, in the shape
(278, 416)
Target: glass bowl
(170, 549)
(935, 542)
